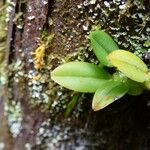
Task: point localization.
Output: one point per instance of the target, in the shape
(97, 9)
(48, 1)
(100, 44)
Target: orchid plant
(131, 75)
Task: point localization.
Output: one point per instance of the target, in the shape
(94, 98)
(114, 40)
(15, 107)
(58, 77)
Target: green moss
(147, 43)
(46, 38)
(2, 44)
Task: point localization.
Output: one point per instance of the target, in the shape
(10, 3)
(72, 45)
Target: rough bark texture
(124, 125)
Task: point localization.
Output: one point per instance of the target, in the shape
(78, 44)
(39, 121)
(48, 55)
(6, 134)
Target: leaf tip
(95, 106)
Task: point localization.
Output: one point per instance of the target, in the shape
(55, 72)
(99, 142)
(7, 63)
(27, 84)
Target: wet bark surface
(124, 125)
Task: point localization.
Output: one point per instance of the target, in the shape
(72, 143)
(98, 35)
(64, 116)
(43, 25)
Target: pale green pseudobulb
(134, 87)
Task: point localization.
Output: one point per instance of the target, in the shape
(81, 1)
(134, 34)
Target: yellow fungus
(39, 57)
(36, 77)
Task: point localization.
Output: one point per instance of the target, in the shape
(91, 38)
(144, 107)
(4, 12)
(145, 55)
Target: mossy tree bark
(63, 27)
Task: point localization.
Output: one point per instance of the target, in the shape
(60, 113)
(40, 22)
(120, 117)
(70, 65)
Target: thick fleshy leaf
(134, 88)
(147, 84)
(108, 93)
(129, 64)
(81, 69)
(80, 76)
(80, 84)
(102, 45)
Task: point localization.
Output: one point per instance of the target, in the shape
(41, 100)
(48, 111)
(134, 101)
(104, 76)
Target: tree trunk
(36, 106)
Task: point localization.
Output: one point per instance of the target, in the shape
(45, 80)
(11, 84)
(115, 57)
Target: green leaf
(81, 69)
(134, 88)
(108, 93)
(129, 64)
(102, 45)
(147, 84)
(80, 76)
